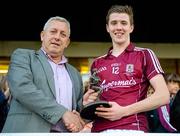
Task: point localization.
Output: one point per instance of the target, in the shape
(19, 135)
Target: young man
(45, 88)
(126, 72)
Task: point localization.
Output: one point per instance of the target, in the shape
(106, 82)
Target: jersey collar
(130, 48)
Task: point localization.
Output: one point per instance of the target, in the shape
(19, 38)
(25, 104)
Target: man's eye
(63, 35)
(52, 31)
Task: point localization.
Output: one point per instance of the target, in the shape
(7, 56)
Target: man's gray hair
(61, 19)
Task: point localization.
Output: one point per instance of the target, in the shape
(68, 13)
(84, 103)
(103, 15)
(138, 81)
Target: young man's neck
(119, 48)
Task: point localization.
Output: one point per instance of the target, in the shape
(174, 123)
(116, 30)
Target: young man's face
(119, 27)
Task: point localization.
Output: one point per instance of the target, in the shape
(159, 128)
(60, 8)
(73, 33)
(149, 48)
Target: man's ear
(42, 35)
(68, 42)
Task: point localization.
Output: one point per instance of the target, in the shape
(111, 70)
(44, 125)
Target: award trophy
(88, 112)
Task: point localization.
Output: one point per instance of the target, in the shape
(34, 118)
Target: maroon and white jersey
(125, 80)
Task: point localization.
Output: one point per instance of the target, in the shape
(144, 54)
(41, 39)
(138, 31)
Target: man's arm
(24, 90)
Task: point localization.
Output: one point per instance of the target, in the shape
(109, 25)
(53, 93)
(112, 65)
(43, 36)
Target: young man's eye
(113, 23)
(124, 23)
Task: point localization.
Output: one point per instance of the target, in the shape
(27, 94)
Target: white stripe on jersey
(165, 114)
(101, 56)
(153, 57)
(155, 61)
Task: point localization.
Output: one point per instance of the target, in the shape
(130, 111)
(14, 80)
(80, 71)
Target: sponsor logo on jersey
(119, 83)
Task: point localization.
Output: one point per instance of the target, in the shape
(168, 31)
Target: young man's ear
(132, 28)
(107, 28)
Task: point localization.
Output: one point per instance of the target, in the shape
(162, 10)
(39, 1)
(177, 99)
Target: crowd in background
(4, 100)
(159, 119)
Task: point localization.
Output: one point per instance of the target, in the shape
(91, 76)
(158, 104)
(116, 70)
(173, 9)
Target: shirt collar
(63, 61)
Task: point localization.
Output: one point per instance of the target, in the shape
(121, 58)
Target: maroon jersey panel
(125, 80)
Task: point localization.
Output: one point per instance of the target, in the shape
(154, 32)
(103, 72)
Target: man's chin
(54, 53)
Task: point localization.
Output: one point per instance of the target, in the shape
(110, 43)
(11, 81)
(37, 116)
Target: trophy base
(88, 112)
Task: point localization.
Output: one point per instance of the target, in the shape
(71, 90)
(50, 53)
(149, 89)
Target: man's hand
(90, 96)
(72, 121)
